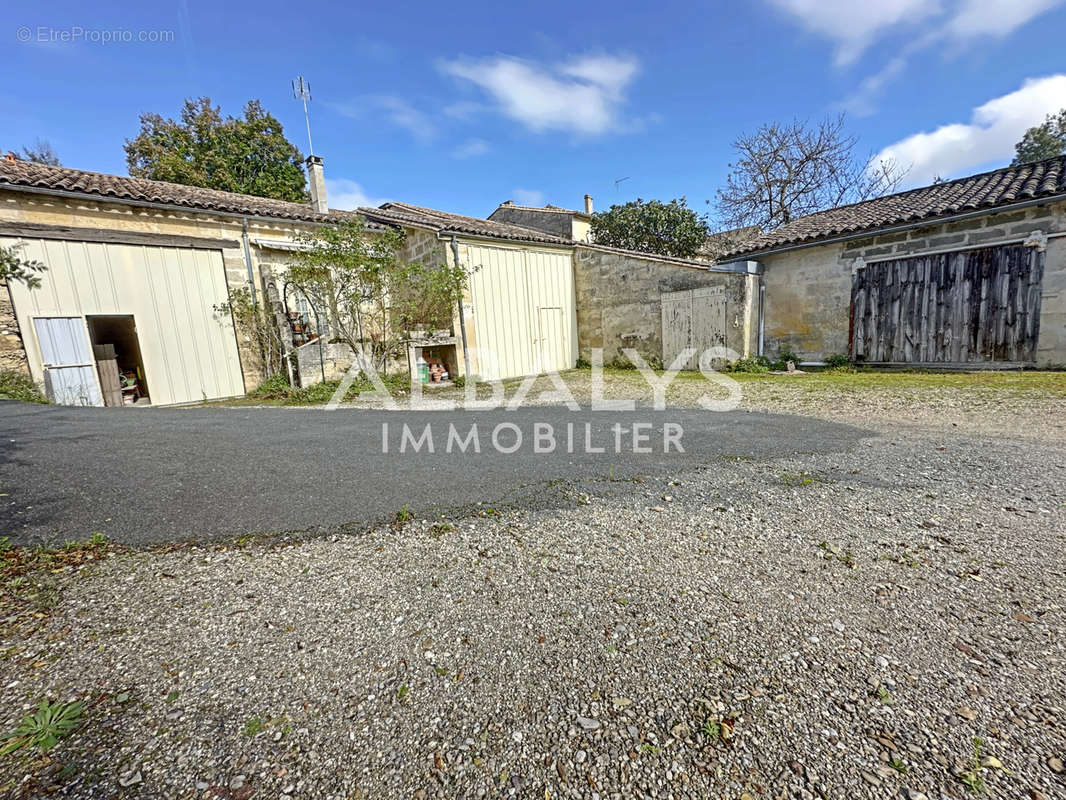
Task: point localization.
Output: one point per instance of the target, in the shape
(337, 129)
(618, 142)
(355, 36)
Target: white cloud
(471, 148)
(348, 195)
(1000, 18)
(393, 109)
(582, 96)
(853, 25)
(988, 137)
(528, 197)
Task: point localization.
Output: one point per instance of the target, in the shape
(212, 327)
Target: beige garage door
(188, 350)
(524, 309)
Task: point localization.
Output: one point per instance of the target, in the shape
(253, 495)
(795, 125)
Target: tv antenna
(619, 181)
(301, 90)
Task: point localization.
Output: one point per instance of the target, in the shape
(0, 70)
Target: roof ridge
(1007, 185)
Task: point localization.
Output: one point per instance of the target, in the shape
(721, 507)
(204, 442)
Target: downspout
(762, 321)
(248, 258)
(462, 316)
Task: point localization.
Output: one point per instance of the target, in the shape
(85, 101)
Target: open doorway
(118, 360)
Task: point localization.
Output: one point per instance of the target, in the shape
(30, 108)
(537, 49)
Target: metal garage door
(524, 309)
(189, 351)
(977, 306)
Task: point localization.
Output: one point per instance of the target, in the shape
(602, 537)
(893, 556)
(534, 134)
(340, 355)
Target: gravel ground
(819, 626)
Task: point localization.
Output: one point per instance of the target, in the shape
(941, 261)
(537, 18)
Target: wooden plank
(35, 230)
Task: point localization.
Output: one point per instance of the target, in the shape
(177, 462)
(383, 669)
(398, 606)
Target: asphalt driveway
(147, 476)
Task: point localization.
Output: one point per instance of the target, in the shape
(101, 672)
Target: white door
(69, 371)
(524, 309)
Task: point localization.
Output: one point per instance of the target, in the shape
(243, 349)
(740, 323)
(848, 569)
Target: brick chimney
(588, 204)
(317, 181)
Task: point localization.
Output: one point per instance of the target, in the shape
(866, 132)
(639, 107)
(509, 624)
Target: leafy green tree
(248, 154)
(1045, 140)
(14, 267)
(670, 229)
(369, 292)
(41, 153)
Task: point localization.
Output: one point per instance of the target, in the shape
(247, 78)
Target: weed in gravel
(650, 749)
(403, 692)
(712, 730)
(898, 765)
(253, 726)
(43, 729)
(885, 696)
(971, 778)
(405, 514)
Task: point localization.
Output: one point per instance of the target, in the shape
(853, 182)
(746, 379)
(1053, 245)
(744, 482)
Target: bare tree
(784, 171)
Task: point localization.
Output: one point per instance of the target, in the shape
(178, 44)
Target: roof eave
(865, 232)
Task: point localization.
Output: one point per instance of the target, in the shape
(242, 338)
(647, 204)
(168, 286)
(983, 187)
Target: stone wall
(618, 302)
(808, 291)
(12, 351)
(333, 360)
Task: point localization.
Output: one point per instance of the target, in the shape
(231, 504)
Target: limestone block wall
(619, 306)
(12, 351)
(808, 291)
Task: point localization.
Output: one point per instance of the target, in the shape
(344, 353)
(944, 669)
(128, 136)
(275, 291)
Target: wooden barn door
(971, 307)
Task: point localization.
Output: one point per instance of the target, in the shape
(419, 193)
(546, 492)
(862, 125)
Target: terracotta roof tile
(443, 222)
(987, 190)
(42, 176)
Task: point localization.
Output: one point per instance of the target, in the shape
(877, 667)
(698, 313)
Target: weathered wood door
(969, 307)
(692, 318)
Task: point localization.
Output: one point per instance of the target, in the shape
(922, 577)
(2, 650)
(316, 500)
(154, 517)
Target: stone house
(967, 272)
(141, 268)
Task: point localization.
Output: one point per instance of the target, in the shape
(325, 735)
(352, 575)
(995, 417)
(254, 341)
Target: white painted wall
(524, 308)
(189, 351)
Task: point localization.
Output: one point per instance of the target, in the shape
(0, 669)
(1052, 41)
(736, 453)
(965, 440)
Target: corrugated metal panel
(524, 308)
(69, 376)
(189, 351)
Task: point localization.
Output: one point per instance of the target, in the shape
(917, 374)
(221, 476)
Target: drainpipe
(462, 317)
(248, 258)
(762, 321)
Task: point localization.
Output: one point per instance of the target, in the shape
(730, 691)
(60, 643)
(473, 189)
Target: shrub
(783, 357)
(837, 361)
(16, 385)
(754, 364)
(273, 388)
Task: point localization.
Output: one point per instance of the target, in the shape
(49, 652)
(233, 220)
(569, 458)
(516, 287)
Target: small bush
(754, 364)
(837, 361)
(16, 385)
(276, 387)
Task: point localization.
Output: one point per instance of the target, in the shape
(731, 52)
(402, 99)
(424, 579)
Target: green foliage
(753, 364)
(838, 360)
(248, 154)
(15, 385)
(250, 319)
(405, 514)
(712, 729)
(253, 727)
(971, 778)
(276, 387)
(671, 229)
(44, 728)
(1046, 140)
(369, 293)
(15, 268)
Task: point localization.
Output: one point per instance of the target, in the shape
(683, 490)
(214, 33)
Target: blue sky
(461, 106)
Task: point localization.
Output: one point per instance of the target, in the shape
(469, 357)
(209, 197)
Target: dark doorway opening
(118, 359)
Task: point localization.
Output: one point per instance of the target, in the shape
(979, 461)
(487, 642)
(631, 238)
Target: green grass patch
(16, 385)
